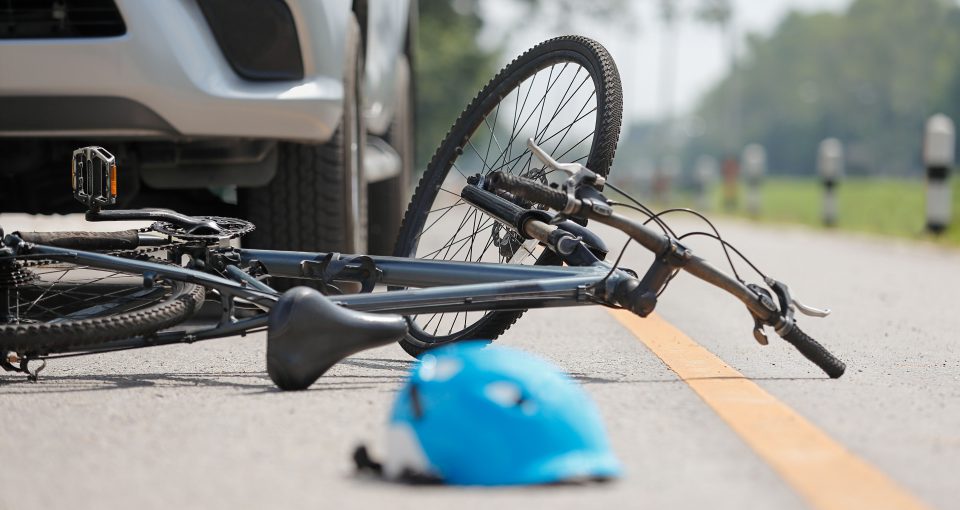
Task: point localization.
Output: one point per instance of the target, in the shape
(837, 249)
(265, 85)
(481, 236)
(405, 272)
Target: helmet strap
(366, 464)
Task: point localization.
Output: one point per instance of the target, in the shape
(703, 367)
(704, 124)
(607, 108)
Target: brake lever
(788, 303)
(577, 172)
(569, 168)
(809, 310)
(767, 301)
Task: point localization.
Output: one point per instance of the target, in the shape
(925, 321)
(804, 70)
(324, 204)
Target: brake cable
(656, 217)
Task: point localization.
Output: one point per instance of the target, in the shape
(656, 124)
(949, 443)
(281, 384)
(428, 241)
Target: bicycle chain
(147, 249)
(172, 244)
(140, 250)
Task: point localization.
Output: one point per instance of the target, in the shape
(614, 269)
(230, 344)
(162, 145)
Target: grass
(890, 207)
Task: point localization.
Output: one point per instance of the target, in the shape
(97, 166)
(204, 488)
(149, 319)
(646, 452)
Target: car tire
(317, 199)
(389, 197)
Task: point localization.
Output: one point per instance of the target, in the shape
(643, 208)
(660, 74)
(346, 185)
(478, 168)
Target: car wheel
(389, 198)
(317, 200)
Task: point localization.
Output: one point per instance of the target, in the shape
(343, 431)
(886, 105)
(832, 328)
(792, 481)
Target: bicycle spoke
(65, 292)
(96, 296)
(575, 146)
(555, 105)
(85, 283)
(485, 248)
(482, 160)
(448, 245)
(462, 242)
(541, 141)
(41, 295)
(460, 202)
(432, 317)
(450, 192)
(543, 104)
(447, 207)
(472, 237)
(453, 323)
(578, 116)
(473, 212)
(514, 132)
(493, 134)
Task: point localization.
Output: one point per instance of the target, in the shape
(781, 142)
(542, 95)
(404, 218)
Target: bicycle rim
(56, 306)
(565, 94)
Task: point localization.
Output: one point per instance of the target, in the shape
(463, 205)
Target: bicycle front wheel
(565, 94)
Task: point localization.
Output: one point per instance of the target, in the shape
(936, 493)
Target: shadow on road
(396, 365)
(257, 382)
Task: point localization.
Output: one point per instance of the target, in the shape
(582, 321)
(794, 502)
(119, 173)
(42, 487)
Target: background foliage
(450, 68)
(869, 76)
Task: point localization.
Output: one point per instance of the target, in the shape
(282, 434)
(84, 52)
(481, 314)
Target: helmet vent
(505, 393)
(510, 395)
(439, 370)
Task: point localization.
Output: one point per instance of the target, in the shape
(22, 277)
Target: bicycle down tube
(447, 286)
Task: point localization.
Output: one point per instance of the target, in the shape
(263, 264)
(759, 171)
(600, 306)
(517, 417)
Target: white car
(299, 111)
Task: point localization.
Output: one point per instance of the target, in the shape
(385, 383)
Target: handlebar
(760, 305)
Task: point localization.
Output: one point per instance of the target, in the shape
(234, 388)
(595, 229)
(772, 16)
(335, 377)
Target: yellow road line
(820, 469)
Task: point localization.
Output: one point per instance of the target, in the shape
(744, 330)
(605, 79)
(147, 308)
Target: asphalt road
(201, 426)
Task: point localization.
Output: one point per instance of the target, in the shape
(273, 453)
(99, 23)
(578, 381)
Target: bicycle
(181, 280)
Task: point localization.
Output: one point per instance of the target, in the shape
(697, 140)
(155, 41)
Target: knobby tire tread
(600, 160)
(50, 337)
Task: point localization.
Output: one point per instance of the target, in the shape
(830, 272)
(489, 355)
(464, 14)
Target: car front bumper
(168, 78)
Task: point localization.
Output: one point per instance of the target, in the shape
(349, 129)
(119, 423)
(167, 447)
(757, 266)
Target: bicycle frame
(440, 286)
(443, 286)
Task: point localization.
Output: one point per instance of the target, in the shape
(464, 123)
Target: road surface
(201, 426)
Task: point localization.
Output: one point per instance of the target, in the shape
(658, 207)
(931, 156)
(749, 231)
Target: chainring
(231, 228)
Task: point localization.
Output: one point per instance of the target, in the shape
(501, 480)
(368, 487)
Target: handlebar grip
(815, 352)
(530, 190)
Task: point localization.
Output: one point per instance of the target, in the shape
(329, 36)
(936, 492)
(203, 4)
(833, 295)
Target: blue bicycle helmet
(470, 415)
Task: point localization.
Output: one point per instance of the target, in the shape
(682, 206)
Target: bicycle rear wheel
(51, 306)
(565, 94)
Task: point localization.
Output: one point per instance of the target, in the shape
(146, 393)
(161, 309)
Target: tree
(450, 68)
(869, 76)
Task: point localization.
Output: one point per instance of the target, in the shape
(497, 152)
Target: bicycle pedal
(93, 174)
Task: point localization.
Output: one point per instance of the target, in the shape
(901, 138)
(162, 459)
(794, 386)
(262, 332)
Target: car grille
(43, 19)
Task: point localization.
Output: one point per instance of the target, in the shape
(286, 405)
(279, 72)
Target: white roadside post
(670, 169)
(830, 166)
(646, 177)
(730, 169)
(705, 171)
(754, 163)
(938, 146)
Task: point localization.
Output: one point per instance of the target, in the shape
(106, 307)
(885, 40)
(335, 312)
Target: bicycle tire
(41, 337)
(600, 67)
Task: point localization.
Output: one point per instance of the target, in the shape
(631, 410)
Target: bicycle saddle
(307, 334)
